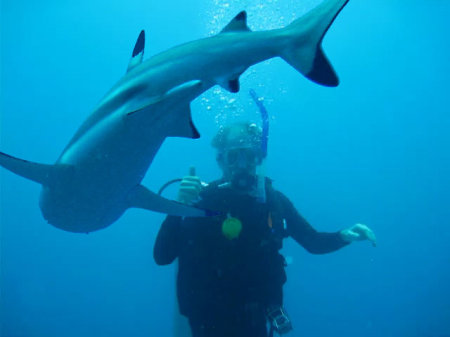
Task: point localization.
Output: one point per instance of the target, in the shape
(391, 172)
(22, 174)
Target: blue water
(374, 150)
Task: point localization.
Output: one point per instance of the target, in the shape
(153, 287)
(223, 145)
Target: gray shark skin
(98, 175)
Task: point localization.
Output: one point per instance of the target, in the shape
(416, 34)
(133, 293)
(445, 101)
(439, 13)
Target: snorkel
(259, 137)
(261, 174)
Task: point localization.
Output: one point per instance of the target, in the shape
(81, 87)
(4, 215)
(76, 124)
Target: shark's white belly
(105, 165)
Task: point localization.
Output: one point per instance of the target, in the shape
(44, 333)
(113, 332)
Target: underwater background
(374, 150)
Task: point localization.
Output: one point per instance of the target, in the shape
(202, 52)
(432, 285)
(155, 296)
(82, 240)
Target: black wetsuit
(224, 286)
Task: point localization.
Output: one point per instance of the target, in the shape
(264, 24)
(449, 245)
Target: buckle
(279, 319)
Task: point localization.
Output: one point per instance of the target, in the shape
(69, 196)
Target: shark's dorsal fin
(231, 85)
(238, 24)
(138, 51)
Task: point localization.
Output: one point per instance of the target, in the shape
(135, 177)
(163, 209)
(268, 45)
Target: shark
(98, 175)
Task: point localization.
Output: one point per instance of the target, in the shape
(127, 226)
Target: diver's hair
(247, 131)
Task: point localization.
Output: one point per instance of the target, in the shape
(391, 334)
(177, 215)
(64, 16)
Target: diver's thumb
(192, 171)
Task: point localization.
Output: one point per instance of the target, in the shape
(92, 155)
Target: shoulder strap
(275, 209)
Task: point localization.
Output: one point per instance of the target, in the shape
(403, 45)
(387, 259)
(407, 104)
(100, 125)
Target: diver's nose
(241, 161)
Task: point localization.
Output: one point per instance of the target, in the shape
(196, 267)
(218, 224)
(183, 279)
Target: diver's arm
(301, 231)
(166, 245)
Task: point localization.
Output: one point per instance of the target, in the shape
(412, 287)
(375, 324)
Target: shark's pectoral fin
(40, 173)
(141, 197)
(184, 127)
(238, 24)
(174, 102)
(138, 52)
(144, 107)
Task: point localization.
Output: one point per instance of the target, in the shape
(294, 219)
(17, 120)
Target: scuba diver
(230, 271)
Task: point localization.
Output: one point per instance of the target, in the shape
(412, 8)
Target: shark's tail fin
(39, 173)
(305, 53)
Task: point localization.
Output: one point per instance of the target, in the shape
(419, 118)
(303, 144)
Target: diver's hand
(358, 232)
(190, 188)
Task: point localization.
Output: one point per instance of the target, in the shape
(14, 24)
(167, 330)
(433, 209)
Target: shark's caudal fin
(310, 59)
(238, 24)
(138, 52)
(141, 197)
(39, 173)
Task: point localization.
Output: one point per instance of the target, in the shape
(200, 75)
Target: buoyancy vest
(212, 268)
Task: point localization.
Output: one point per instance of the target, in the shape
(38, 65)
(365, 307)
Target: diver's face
(239, 166)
